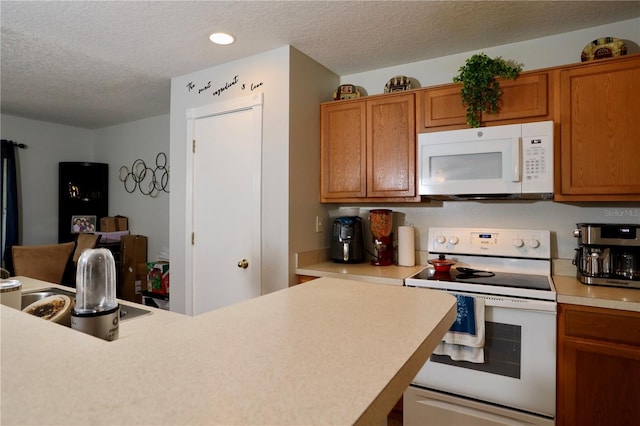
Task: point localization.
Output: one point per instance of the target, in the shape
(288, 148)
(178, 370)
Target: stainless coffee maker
(608, 254)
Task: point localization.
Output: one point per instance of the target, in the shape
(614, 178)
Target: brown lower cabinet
(598, 366)
(304, 278)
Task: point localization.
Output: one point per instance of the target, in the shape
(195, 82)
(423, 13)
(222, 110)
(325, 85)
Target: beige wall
(311, 84)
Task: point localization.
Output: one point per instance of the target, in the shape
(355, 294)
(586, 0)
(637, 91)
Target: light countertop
(316, 264)
(391, 274)
(570, 290)
(329, 351)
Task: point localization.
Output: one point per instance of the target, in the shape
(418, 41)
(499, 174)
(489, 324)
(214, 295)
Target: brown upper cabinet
(368, 145)
(368, 149)
(599, 148)
(524, 99)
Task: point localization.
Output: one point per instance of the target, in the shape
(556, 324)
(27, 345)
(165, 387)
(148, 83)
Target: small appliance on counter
(96, 310)
(381, 222)
(347, 244)
(608, 254)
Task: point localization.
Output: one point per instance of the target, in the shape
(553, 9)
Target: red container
(441, 264)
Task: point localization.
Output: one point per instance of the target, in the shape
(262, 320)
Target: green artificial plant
(480, 89)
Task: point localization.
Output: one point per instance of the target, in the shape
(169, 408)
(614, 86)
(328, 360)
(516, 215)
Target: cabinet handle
(244, 264)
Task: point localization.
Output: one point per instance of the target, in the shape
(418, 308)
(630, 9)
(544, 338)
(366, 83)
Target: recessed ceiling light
(221, 38)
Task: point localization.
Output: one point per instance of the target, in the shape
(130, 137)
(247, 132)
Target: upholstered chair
(43, 262)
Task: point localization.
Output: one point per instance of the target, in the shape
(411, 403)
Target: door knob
(244, 264)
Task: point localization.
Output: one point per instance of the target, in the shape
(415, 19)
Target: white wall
(47, 145)
(559, 218)
(121, 145)
(267, 73)
(544, 52)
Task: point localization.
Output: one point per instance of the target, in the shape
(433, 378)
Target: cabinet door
(441, 107)
(598, 366)
(602, 384)
(391, 146)
(343, 150)
(600, 130)
(524, 99)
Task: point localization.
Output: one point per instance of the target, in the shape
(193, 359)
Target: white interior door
(226, 204)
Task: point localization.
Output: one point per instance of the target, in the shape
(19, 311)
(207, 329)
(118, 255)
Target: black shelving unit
(83, 191)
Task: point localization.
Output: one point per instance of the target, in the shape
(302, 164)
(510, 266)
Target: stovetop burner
(468, 273)
(476, 276)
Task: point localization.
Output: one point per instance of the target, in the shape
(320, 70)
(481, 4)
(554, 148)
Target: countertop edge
(381, 406)
(392, 274)
(571, 291)
(347, 276)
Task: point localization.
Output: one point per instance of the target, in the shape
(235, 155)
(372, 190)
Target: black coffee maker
(347, 243)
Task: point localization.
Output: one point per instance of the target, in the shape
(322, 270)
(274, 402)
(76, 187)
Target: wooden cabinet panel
(600, 130)
(598, 366)
(343, 151)
(603, 325)
(524, 99)
(305, 278)
(391, 147)
(368, 149)
(441, 107)
(602, 385)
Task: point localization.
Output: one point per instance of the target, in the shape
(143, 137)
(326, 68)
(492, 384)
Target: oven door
(520, 358)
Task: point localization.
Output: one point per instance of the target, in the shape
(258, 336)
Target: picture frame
(83, 224)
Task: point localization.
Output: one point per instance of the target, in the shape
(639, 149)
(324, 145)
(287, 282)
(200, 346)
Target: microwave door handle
(515, 158)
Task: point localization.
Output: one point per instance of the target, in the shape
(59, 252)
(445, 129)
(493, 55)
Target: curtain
(9, 202)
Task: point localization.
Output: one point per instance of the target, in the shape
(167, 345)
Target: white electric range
(513, 379)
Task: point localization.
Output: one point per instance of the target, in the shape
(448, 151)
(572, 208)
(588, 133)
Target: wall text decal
(206, 88)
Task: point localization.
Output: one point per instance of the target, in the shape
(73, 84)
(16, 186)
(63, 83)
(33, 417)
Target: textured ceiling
(98, 63)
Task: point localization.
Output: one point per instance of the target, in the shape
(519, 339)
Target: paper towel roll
(406, 246)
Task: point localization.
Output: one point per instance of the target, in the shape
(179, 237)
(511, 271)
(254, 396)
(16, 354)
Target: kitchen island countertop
(329, 351)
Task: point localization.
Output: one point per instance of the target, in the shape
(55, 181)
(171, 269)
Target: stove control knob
(453, 240)
(518, 243)
(534, 243)
(440, 239)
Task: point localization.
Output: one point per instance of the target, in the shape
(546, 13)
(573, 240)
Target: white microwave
(514, 161)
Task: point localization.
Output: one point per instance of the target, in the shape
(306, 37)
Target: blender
(96, 310)
(381, 222)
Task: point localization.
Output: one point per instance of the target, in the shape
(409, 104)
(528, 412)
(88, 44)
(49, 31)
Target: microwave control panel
(535, 158)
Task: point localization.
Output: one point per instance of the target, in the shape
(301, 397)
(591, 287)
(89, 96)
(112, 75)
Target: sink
(28, 297)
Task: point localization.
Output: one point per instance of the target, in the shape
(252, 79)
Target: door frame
(255, 104)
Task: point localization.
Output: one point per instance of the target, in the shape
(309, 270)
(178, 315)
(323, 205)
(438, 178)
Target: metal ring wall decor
(149, 181)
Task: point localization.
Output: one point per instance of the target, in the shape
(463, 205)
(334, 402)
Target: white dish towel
(465, 345)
